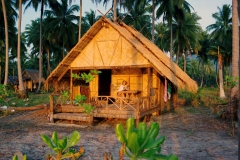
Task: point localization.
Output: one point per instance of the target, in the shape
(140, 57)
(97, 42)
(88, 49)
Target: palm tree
(161, 40)
(6, 41)
(139, 18)
(22, 91)
(166, 8)
(35, 3)
(235, 45)
(221, 35)
(61, 21)
(186, 35)
(7, 9)
(202, 53)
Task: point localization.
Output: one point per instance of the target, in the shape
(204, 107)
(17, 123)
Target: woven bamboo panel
(130, 56)
(132, 76)
(76, 91)
(93, 85)
(106, 34)
(107, 49)
(85, 58)
(117, 55)
(97, 56)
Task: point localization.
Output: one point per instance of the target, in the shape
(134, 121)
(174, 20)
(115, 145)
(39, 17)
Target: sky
(204, 9)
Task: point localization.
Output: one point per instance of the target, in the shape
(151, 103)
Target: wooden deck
(105, 107)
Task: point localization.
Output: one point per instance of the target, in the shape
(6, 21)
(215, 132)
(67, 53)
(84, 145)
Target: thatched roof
(32, 74)
(149, 50)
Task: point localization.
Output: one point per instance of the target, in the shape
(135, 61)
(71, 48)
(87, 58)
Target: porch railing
(122, 103)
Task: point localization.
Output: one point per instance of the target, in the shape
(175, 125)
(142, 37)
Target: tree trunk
(171, 39)
(202, 72)
(235, 45)
(153, 18)
(49, 67)
(40, 49)
(6, 42)
(115, 11)
(21, 92)
(80, 21)
(178, 52)
(221, 89)
(185, 63)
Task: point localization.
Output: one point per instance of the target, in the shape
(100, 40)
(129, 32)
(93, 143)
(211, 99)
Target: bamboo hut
(120, 53)
(31, 79)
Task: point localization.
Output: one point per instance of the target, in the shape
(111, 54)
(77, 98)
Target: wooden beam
(77, 50)
(71, 86)
(110, 67)
(63, 73)
(91, 37)
(149, 87)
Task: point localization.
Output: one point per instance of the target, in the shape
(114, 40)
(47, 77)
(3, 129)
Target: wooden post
(51, 109)
(174, 96)
(137, 114)
(71, 87)
(148, 87)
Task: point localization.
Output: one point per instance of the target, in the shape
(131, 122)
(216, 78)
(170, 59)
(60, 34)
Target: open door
(105, 83)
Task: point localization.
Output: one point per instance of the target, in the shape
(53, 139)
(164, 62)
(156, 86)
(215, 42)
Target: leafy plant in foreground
(79, 99)
(62, 147)
(141, 142)
(15, 157)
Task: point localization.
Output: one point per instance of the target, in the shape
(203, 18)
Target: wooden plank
(71, 86)
(63, 73)
(148, 86)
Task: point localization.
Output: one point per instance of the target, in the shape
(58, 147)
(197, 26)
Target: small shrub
(140, 142)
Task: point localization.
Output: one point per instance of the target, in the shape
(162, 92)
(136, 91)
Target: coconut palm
(186, 35)
(139, 18)
(35, 3)
(22, 91)
(7, 9)
(202, 53)
(166, 9)
(235, 45)
(160, 39)
(61, 21)
(221, 36)
(89, 19)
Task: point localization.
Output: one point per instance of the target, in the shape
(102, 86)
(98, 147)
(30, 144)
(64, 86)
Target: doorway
(105, 79)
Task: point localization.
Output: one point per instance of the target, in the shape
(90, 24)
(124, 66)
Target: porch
(105, 107)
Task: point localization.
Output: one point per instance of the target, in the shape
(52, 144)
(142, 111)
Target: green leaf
(63, 143)
(142, 132)
(120, 133)
(172, 157)
(152, 143)
(67, 155)
(148, 153)
(15, 157)
(55, 138)
(74, 139)
(130, 127)
(47, 140)
(160, 157)
(133, 144)
(24, 157)
(58, 150)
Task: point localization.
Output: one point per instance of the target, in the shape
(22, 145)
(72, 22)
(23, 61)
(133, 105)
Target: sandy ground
(190, 135)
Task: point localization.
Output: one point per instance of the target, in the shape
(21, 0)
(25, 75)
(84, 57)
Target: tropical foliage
(177, 31)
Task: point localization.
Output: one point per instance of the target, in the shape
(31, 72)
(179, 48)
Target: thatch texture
(32, 74)
(123, 41)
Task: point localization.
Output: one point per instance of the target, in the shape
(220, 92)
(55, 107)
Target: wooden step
(73, 116)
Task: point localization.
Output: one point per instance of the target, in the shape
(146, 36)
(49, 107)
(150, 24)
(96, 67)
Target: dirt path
(190, 135)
